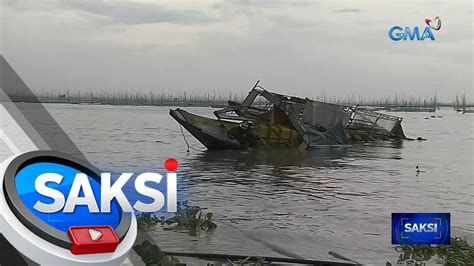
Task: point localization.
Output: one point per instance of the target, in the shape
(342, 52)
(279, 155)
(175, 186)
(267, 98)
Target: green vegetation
(192, 220)
(188, 218)
(152, 255)
(458, 253)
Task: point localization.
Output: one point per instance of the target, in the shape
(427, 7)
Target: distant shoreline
(421, 106)
(115, 103)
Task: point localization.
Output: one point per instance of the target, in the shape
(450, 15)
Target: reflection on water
(280, 202)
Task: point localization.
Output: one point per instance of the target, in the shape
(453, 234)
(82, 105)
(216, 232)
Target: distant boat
(463, 108)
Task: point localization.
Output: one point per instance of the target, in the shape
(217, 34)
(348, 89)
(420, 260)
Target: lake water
(280, 202)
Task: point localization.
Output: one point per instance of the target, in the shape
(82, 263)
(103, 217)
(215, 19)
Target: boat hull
(220, 134)
(210, 132)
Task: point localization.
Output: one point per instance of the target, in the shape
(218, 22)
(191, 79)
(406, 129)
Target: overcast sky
(306, 48)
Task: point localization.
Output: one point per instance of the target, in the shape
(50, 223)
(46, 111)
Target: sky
(304, 48)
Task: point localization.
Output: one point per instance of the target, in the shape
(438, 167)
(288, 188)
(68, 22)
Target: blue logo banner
(421, 228)
(25, 185)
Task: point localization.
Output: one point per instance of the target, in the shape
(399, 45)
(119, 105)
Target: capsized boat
(266, 119)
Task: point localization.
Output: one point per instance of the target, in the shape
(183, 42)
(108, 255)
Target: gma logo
(397, 33)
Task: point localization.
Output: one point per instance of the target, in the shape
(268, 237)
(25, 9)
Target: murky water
(283, 203)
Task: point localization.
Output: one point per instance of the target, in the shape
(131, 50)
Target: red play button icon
(92, 239)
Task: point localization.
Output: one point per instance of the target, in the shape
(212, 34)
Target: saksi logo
(421, 227)
(398, 33)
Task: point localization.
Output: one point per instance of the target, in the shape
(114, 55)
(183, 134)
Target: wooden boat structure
(266, 119)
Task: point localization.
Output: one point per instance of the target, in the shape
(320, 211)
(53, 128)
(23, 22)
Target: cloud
(300, 46)
(140, 13)
(121, 12)
(348, 10)
(291, 22)
(270, 3)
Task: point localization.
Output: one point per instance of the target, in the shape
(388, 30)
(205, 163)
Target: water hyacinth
(458, 253)
(188, 218)
(151, 254)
